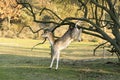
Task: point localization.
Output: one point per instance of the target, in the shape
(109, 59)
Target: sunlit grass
(18, 62)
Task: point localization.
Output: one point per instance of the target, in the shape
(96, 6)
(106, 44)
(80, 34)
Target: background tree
(9, 10)
(9, 14)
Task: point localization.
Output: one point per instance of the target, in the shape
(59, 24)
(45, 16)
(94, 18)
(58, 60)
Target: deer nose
(79, 40)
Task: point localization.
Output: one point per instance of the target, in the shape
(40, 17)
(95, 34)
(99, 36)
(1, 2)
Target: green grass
(18, 62)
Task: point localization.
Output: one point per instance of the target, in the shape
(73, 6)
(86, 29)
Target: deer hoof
(56, 69)
(49, 68)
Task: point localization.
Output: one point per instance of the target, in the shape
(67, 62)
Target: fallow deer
(62, 42)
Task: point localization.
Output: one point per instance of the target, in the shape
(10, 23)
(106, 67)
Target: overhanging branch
(46, 9)
(39, 44)
(93, 34)
(29, 8)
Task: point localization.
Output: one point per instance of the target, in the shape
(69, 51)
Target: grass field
(18, 62)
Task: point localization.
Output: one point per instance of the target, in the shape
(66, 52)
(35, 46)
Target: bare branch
(30, 29)
(96, 14)
(92, 9)
(39, 44)
(115, 1)
(85, 7)
(20, 31)
(112, 11)
(102, 11)
(29, 8)
(51, 12)
(98, 47)
(101, 6)
(93, 34)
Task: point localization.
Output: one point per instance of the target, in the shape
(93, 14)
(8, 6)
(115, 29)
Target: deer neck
(51, 39)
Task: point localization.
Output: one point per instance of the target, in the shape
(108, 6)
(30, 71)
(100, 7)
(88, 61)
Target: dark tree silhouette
(98, 16)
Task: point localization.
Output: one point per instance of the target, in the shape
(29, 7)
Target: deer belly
(64, 45)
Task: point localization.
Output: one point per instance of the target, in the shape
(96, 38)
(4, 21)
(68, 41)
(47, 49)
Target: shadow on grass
(14, 67)
(23, 48)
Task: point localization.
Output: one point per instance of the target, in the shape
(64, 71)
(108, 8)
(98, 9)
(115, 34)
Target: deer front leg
(53, 58)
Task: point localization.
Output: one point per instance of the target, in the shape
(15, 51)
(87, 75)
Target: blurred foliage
(9, 9)
(15, 16)
(63, 8)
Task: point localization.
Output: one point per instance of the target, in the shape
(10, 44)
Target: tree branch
(93, 34)
(101, 6)
(85, 7)
(39, 44)
(29, 8)
(30, 29)
(51, 12)
(98, 47)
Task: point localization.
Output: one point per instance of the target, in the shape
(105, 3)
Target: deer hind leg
(58, 57)
(53, 56)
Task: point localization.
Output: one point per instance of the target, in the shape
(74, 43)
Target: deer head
(46, 34)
